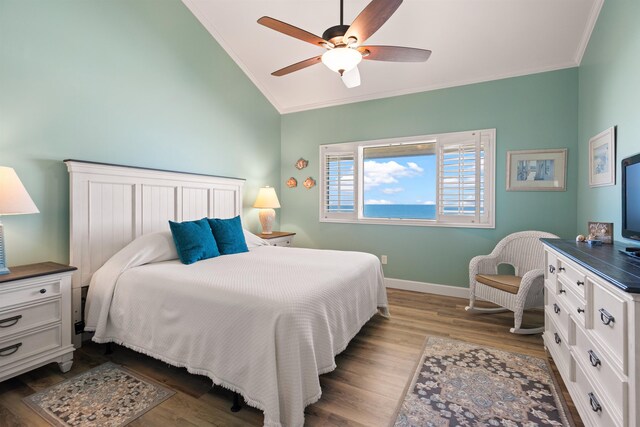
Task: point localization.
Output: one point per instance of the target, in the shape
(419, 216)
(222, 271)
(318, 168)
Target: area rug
(108, 395)
(462, 384)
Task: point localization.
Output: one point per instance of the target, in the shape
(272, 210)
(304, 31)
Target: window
(434, 180)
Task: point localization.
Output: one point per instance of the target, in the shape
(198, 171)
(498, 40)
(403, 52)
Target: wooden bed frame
(111, 205)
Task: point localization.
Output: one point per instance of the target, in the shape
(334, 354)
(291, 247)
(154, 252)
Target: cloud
(378, 173)
(377, 202)
(429, 202)
(415, 167)
(392, 190)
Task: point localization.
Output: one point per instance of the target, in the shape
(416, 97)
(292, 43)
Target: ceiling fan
(344, 43)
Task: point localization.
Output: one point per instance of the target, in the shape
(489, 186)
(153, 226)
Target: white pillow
(253, 241)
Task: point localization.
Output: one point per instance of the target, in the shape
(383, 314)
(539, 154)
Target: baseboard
(427, 288)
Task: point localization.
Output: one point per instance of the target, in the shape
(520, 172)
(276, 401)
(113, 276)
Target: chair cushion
(504, 282)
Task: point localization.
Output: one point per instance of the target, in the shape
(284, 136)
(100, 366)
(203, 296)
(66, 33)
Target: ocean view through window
(442, 180)
(399, 181)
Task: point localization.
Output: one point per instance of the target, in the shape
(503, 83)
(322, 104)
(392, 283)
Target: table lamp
(267, 201)
(14, 200)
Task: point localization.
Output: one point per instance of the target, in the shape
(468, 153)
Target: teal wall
(609, 95)
(129, 82)
(531, 112)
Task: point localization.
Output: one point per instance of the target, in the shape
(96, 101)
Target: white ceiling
(472, 41)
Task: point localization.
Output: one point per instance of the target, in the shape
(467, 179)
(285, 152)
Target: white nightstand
(278, 238)
(35, 318)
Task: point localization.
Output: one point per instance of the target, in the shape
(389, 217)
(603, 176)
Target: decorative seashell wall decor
(309, 183)
(302, 163)
(292, 182)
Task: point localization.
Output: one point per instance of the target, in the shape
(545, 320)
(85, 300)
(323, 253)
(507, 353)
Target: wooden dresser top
(28, 271)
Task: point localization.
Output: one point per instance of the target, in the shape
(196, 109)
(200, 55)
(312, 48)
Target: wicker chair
(518, 292)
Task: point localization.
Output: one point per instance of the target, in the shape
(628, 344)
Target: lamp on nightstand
(267, 201)
(14, 200)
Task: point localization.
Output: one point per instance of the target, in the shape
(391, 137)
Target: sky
(400, 180)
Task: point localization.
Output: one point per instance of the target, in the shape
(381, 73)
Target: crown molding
(588, 30)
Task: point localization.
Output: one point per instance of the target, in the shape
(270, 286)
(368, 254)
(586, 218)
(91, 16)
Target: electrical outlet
(383, 258)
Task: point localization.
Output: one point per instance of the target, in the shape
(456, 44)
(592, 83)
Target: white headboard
(111, 205)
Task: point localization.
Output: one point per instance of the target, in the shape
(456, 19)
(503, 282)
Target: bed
(265, 323)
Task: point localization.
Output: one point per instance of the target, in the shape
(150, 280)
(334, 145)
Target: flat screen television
(631, 197)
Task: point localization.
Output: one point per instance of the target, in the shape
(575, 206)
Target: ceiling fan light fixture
(341, 59)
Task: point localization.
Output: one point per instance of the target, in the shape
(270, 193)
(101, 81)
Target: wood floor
(363, 391)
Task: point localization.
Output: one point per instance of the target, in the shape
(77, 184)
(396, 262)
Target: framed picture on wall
(602, 159)
(537, 170)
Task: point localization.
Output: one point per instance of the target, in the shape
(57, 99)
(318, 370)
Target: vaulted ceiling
(472, 41)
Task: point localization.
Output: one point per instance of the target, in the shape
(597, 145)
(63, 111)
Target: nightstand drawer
(30, 344)
(20, 319)
(281, 242)
(31, 293)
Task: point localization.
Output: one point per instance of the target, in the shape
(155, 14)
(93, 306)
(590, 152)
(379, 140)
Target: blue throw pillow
(229, 235)
(194, 240)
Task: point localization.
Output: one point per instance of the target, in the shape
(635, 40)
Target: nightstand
(278, 238)
(35, 318)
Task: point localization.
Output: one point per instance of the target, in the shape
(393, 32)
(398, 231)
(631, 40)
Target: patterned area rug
(108, 395)
(463, 384)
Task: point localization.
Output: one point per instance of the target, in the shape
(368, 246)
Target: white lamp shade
(267, 199)
(14, 199)
(341, 59)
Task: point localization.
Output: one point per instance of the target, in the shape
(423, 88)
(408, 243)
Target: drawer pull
(605, 317)
(552, 269)
(557, 338)
(43, 291)
(13, 319)
(595, 405)
(561, 269)
(562, 291)
(593, 358)
(579, 283)
(556, 308)
(14, 347)
(580, 310)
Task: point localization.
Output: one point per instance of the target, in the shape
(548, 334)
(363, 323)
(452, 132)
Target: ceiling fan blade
(371, 19)
(291, 31)
(351, 78)
(297, 66)
(394, 53)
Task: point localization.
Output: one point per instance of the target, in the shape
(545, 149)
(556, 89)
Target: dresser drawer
(571, 277)
(551, 268)
(592, 403)
(598, 366)
(29, 294)
(30, 344)
(557, 345)
(610, 324)
(576, 304)
(34, 315)
(558, 312)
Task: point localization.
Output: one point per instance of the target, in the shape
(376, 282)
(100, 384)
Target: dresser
(592, 328)
(278, 238)
(35, 318)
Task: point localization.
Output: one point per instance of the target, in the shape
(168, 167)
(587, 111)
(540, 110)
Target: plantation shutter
(339, 185)
(461, 179)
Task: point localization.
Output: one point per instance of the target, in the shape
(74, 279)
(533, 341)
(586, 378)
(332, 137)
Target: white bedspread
(265, 323)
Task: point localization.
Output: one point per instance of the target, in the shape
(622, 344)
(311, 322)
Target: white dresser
(35, 318)
(592, 325)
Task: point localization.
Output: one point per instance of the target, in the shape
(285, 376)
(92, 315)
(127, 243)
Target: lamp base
(267, 217)
(3, 263)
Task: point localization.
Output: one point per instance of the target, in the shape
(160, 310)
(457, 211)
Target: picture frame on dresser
(602, 159)
(537, 170)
